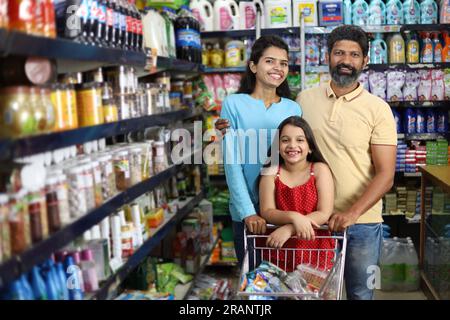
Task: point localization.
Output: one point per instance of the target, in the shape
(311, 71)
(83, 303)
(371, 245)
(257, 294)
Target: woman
(261, 104)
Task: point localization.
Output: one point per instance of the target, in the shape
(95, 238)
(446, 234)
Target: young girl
(298, 196)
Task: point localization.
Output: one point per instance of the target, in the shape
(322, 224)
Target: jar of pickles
(51, 190)
(90, 107)
(5, 241)
(121, 162)
(16, 114)
(136, 165)
(108, 179)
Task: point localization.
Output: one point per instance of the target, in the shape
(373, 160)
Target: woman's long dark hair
(248, 81)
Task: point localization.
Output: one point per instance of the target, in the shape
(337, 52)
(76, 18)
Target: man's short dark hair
(351, 33)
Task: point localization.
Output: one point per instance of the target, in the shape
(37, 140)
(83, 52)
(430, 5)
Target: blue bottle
(347, 7)
(397, 120)
(377, 13)
(38, 284)
(394, 12)
(428, 12)
(73, 279)
(411, 11)
(410, 121)
(378, 50)
(431, 121)
(50, 281)
(62, 281)
(16, 291)
(26, 287)
(360, 12)
(420, 121)
(442, 122)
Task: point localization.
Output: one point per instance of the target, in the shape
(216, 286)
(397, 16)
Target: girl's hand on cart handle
(255, 224)
(304, 227)
(222, 125)
(279, 237)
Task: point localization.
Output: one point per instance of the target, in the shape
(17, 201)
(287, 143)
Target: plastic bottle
(377, 13)
(28, 291)
(347, 11)
(360, 12)
(428, 12)
(16, 291)
(89, 271)
(217, 57)
(62, 281)
(170, 17)
(203, 12)
(387, 265)
(444, 11)
(420, 121)
(38, 284)
(431, 121)
(309, 10)
(312, 52)
(412, 277)
(73, 279)
(116, 34)
(410, 121)
(412, 49)
(226, 15)
(101, 31)
(437, 48)
(396, 49)
(248, 13)
(427, 49)
(187, 36)
(378, 50)
(394, 12)
(123, 24)
(278, 13)
(50, 281)
(411, 11)
(446, 48)
(234, 54)
(442, 121)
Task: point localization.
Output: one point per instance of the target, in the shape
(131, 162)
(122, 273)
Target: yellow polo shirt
(344, 129)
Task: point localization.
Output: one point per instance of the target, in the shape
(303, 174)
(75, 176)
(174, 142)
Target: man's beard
(345, 80)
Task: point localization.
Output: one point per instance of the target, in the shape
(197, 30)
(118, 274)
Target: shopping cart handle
(322, 227)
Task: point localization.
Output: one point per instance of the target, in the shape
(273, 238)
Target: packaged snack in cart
(377, 83)
(412, 81)
(296, 283)
(424, 90)
(314, 277)
(396, 80)
(437, 85)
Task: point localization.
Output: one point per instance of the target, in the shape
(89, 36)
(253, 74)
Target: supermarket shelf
(182, 291)
(17, 43)
(382, 67)
(171, 64)
(424, 136)
(412, 174)
(10, 149)
(419, 104)
(111, 284)
(240, 69)
(17, 265)
(425, 27)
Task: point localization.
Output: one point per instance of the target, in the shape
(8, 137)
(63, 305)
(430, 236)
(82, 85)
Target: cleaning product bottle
(26, 287)
(446, 49)
(360, 12)
(38, 284)
(16, 291)
(309, 10)
(411, 11)
(50, 284)
(378, 50)
(347, 8)
(73, 279)
(203, 12)
(437, 48)
(247, 14)
(377, 13)
(428, 12)
(216, 58)
(427, 49)
(445, 11)
(412, 49)
(62, 281)
(278, 13)
(226, 15)
(234, 54)
(396, 49)
(394, 12)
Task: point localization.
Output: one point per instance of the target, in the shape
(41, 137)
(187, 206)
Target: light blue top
(259, 125)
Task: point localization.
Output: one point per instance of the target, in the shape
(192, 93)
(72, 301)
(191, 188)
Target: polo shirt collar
(349, 96)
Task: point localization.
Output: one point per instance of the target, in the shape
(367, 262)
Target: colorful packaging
(420, 121)
(447, 84)
(409, 121)
(424, 90)
(437, 85)
(412, 81)
(377, 83)
(431, 121)
(396, 80)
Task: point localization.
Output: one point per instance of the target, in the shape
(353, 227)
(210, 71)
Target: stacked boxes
(401, 156)
(411, 202)
(437, 152)
(390, 203)
(428, 198)
(410, 161)
(401, 198)
(421, 156)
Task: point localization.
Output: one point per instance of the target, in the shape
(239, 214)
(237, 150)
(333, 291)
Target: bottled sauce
(19, 223)
(187, 36)
(412, 49)
(34, 210)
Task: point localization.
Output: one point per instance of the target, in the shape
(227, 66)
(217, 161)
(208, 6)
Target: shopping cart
(330, 289)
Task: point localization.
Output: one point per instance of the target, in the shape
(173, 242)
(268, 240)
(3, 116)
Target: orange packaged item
(90, 107)
(59, 99)
(4, 14)
(72, 111)
(155, 218)
(22, 15)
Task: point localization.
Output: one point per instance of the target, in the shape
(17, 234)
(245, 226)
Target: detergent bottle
(437, 48)
(377, 13)
(247, 14)
(445, 11)
(411, 12)
(309, 10)
(348, 11)
(427, 49)
(428, 12)
(394, 12)
(412, 49)
(278, 13)
(360, 12)
(226, 15)
(203, 12)
(396, 49)
(378, 50)
(446, 49)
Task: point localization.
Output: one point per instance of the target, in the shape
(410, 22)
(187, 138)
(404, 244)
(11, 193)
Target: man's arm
(383, 158)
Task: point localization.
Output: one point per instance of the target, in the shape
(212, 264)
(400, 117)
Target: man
(356, 133)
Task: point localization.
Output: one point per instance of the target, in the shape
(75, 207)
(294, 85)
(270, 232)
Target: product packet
(424, 90)
(447, 84)
(412, 81)
(314, 277)
(396, 80)
(437, 85)
(377, 83)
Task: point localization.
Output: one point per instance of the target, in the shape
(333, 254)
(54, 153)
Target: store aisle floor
(396, 295)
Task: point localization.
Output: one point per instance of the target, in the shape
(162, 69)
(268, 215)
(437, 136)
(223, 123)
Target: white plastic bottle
(412, 277)
(310, 13)
(226, 15)
(278, 13)
(203, 12)
(247, 14)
